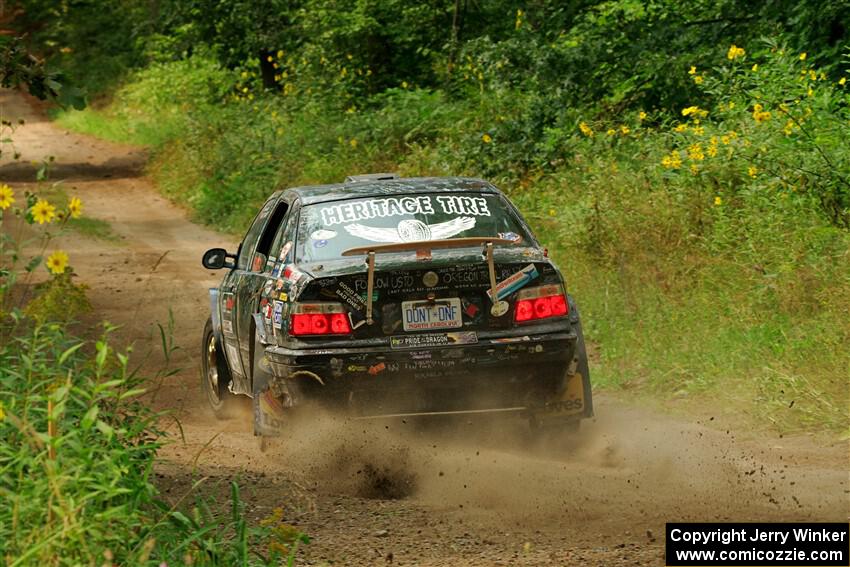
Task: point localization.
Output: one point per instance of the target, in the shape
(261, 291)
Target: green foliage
(58, 299)
(19, 68)
(77, 463)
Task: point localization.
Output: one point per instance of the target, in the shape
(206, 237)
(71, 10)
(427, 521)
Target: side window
(259, 238)
(246, 249)
(273, 229)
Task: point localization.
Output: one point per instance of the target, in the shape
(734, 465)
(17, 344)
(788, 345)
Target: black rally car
(394, 297)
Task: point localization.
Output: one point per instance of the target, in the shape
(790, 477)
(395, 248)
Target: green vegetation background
(708, 249)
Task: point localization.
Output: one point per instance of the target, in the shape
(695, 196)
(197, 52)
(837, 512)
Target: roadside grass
(97, 229)
(704, 253)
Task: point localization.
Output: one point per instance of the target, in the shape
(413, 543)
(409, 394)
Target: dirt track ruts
(399, 493)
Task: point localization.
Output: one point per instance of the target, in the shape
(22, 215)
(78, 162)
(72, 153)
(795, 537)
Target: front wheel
(215, 375)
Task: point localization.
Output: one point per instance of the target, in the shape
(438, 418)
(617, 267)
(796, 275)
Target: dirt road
(399, 493)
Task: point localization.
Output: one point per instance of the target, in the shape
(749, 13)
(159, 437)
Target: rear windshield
(325, 230)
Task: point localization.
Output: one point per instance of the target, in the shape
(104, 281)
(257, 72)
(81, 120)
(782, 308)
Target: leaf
(102, 351)
(105, 428)
(89, 417)
(68, 352)
(34, 263)
(131, 393)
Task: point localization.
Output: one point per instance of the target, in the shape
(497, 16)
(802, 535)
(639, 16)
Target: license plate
(423, 316)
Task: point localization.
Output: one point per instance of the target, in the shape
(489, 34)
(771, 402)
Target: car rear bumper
(496, 374)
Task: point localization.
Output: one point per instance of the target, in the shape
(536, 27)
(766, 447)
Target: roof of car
(400, 186)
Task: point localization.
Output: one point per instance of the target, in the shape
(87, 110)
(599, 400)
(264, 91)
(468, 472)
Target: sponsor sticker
(323, 234)
(434, 340)
(430, 279)
(499, 308)
(277, 315)
(227, 326)
(514, 282)
(292, 273)
(284, 251)
(377, 369)
(510, 236)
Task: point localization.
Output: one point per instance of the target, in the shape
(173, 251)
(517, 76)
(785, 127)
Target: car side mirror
(216, 259)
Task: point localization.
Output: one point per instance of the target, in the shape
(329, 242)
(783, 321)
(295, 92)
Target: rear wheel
(215, 375)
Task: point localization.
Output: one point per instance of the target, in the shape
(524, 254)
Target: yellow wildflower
(718, 201)
(759, 115)
(803, 56)
(404, 84)
(57, 262)
(681, 128)
(672, 161)
(353, 142)
(699, 130)
(813, 75)
(694, 168)
(280, 54)
(789, 128)
(842, 81)
(486, 138)
(7, 197)
(585, 129)
(75, 207)
(624, 129)
(725, 139)
(735, 52)
(611, 132)
(641, 115)
(552, 212)
(698, 79)
(752, 171)
(519, 14)
(731, 105)
(693, 70)
(755, 67)
(269, 58)
(351, 110)
(810, 92)
(695, 152)
(43, 212)
(690, 110)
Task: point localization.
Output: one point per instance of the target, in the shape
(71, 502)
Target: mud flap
(575, 400)
(269, 411)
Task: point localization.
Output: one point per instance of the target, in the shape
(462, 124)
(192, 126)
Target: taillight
(319, 319)
(541, 303)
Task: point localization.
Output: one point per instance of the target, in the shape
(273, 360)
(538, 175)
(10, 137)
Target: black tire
(215, 375)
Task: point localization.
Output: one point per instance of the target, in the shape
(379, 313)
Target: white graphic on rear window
(412, 230)
(398, 206)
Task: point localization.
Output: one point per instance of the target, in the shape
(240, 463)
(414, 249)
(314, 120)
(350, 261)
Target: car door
(254, 269)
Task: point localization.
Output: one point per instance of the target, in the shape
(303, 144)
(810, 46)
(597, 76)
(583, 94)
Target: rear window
(325, 230)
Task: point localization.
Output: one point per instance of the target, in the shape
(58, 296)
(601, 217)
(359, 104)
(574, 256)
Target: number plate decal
(424, 316)
(434, 340)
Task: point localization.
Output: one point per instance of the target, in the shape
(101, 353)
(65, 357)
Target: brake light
(319, 319)
(541, 303)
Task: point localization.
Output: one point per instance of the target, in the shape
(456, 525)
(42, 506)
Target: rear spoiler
(428, 245)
